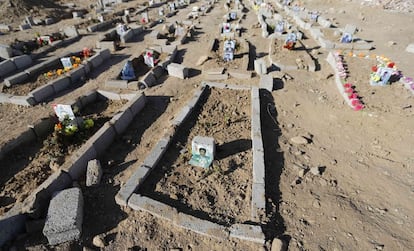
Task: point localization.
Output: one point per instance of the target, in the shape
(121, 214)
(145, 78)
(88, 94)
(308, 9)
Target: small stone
(98, 241)
(334, 162)
(54, 166)
(315, 171)
(301, 173)
(278, 245)
(299, 140)
(391, 43)
(290, 125)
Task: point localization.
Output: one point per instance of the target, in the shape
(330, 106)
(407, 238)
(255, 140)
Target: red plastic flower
(374, 68)
(390, 64)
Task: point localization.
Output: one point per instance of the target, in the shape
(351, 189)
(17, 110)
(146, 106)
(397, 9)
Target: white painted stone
(177, 70)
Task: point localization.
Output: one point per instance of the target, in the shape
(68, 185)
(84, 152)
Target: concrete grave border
(250, 232)
(13, 222)
(55, 86)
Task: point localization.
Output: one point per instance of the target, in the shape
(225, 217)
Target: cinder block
(240, 74)
(181, 116)
(325, 43)
(93, 173)
(121, 121)
(127, 36)
(77, 163)
(266, 82)
(23, 100)
(60, 84)
(362, 45)
(202, 227)
(88, 98)
(137, 104)
(22, 61)
(110, 45)
(258, 201)
(258, 167)
(260, 66)
(5, 27)
(115, 83)
(156, 153)
(217, 77)
(16, 79)
(257, 142)
(324, 22)
(315, 33)
(70, 31)
(246, 232)
(127, 96)
(96, 60)
(177, 70)
(64, 217)
(77, 74)
(87, 66)
(131, 185)
(7, 67)
(103, 138)
(158, 71)
(156, 208)
(5, 98)
(148, 80)
(49, 21)
(24, 27)
(35, 69)
(110, 95)
(11, 226)
(42, 93)
(43, 127)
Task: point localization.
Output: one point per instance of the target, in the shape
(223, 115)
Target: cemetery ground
(348, 186)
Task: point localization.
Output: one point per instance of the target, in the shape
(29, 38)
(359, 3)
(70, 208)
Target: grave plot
(223, 191)
(29, 165)
(178, 33)
(290, 54)
(229, 57)
(53, 71)
(42, 81)
(143, 71)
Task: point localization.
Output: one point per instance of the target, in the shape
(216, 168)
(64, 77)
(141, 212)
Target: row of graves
(322, 30)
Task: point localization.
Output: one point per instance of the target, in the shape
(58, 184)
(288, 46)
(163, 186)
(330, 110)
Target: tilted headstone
(351, 29)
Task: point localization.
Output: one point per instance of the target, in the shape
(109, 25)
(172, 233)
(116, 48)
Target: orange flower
(49, 74)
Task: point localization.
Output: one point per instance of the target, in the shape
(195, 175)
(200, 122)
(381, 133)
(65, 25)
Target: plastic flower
(58, 127)
(59, 72)
(88, 123)
(49, 74)
(374, 68)
(391, 64)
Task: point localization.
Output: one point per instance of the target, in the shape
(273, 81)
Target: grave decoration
(128, 72)
(232, 16)
(202, 151)
(314, 16)
(172, 7)
(161, 12)
(349, 90)
(68, 124)
(280, 26)
(151, 58)
(228, 50)
(290, 41)
(226, 28)
(121, 29)
(39, 41)
(69, 63)
(346, 38)
(382, 73)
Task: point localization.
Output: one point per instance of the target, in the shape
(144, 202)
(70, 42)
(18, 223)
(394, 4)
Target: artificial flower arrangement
(382, 72)
(353, 98)
(75, 61)
(68, 124)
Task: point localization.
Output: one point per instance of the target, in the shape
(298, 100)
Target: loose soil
(360, 200)
(223, 192)
(30, 165)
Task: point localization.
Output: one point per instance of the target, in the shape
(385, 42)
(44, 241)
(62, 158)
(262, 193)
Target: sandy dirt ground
(361, 197)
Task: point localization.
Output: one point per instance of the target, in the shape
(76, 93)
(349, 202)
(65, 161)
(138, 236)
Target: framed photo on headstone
(66, 62)
(346, 38)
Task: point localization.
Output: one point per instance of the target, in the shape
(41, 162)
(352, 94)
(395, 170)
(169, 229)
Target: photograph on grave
(202, 151)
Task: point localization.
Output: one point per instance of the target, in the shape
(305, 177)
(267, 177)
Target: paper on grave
(202, 150)
(63, 111)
